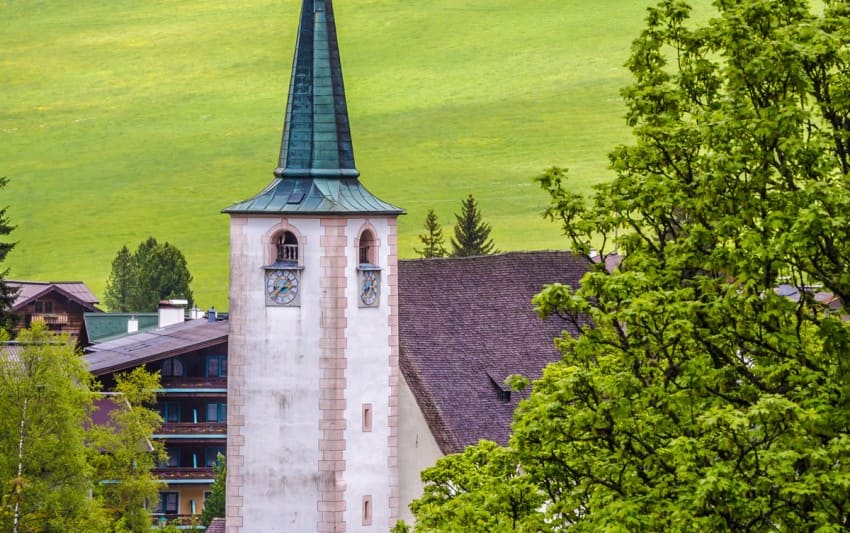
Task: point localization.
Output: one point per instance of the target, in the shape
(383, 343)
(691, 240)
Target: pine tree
(472, 235)
(7, 294)
(140, 280)
(214, 504)
(122, 282)
(432, 239)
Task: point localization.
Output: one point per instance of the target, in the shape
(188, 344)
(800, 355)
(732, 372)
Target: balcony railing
(194, 428)
(175, 382)
(183, 472)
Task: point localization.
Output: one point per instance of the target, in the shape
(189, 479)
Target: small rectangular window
(367, 510)
(168, 503)
(170, 411)
(367, 417)
(216, 412)
(216, 366)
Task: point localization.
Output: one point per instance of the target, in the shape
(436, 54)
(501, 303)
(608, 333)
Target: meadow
(122, 119)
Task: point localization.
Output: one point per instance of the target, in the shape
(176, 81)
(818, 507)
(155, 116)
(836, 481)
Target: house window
(367, 248)
(170, 411)
(216, 366)
(212, 454)
(43, 306)
(286, 248)
(172, 368)
(216, 412)
(168, 503)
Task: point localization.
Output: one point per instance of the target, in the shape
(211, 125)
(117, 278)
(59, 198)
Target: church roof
(466, 324)
(316, 172)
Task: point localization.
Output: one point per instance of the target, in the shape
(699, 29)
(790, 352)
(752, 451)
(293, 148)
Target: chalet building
(191, 357)
(61, 305)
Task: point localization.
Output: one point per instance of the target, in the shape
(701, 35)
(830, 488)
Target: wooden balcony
(194, 428)
(183, 472)
(194, 382)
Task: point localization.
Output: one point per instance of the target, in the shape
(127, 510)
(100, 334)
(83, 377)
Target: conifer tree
(7, 294)
(432, 239)
(140, 280)
(472, 234)
(214, 504)
(121, 284)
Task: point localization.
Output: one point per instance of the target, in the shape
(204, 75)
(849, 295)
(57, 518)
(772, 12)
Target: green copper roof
(316, 172)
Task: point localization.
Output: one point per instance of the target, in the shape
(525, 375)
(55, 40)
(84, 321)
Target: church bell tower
(313, 342)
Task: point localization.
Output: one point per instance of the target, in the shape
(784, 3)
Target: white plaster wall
(279, 348)
(417, 450)
(367, 382)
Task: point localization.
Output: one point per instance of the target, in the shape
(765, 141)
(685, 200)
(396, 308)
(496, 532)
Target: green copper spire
(316, 172)
(316, 132)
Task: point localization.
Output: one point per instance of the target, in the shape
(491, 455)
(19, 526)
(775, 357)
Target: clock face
(281, 286)
(369, 284)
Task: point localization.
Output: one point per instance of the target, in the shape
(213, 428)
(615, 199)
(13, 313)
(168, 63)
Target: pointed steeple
(316, 172)
(316, 132)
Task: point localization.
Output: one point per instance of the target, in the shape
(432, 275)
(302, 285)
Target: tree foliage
(46, 400)
(7, 294)
(155, 271)
(702, 398)
(472, 234)
(214, 505)
(123, 453)
(432, 239)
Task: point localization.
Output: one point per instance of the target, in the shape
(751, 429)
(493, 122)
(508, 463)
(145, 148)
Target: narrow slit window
(367, 510)
(367, 417)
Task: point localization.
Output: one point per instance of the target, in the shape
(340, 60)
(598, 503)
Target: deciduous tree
(432, 239)
(46, 398)
(702, 398)
(123, 452)
(472, 234)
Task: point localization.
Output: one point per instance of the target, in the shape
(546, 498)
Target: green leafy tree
(432, 239)
(481, 489)
(121, 286)
(155, 271)
(702, 398)
(472, 234)
(214, 504)
(7, 294)
(46, 399)
(124, 453)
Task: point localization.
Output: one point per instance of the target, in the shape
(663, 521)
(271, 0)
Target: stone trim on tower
(332, 403)
(393, 340)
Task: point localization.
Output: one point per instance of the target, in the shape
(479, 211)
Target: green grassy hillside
(121, 119)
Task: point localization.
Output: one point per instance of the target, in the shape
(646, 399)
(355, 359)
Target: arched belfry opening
(286, 248)
(367, 249)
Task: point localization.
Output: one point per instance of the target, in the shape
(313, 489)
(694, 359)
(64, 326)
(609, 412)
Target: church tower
(313, 350)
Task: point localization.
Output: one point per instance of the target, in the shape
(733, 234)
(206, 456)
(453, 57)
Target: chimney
(212, 315)
(172, 312)
(132, 324)
(196, 313)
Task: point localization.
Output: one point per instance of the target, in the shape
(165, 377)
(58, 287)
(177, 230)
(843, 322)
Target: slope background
(122, 119)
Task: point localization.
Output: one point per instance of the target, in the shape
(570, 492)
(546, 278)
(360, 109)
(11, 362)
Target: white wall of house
(417, 450)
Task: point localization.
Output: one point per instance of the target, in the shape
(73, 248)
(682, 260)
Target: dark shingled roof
(465, 325)
(316, 172)
(73, 290)
(153, 345)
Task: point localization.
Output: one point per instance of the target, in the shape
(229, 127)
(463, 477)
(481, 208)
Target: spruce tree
(122, 282)
(7, 294)
(432, 239)
(472, 234)
(214, 505)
